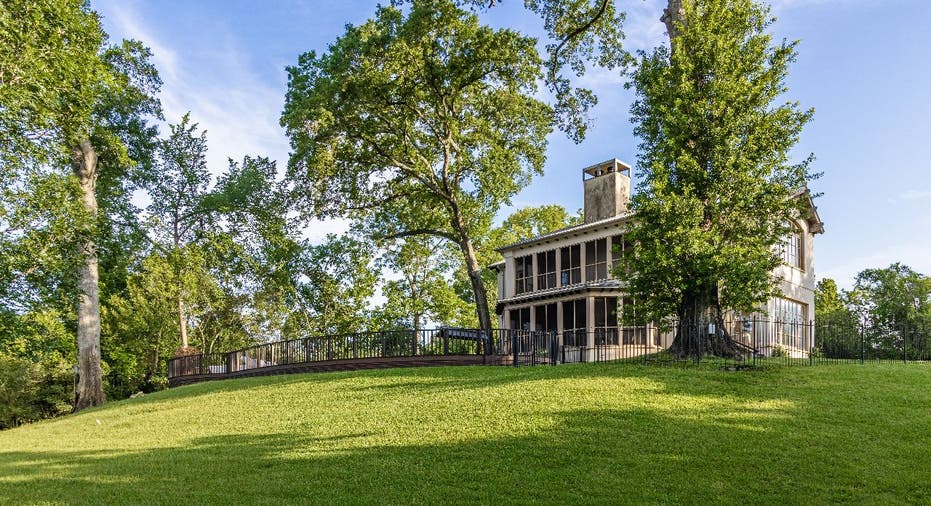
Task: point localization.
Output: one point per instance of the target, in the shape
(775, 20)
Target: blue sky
(864, 65)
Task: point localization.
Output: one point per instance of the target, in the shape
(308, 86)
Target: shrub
(30, 391)
(19, 388)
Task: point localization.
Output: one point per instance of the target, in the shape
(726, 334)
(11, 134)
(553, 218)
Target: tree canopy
(717, 190)
(424, 123)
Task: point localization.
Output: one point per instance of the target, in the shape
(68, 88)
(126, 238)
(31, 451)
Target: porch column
(559, 268)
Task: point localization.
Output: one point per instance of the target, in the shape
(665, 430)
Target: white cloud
(238, 109)
(642, 27)
(914, 195)
(915, 255)
(317, 230)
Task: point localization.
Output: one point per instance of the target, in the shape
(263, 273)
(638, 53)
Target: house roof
(592, 286)
(563, 232)
(814, 221)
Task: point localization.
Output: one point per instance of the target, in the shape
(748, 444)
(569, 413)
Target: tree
(529, 222)
(830, 304)
(66, 96)
(892, 303)
(424, 123)
(252, 208)
(580, 33)
(422, 290)
(718, 191)
(177, 215)
(336, 281)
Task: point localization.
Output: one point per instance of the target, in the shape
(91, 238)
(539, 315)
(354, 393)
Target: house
(562, 281)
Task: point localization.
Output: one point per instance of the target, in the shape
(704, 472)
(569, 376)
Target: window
(635, 334)
(520, 319)
(545, 318)
(546, 270)
(789, 318)
(570, 265)
(573, 323)
(605, 320)
(619, 248)
(791, 248)
(523, 274)
(596, 259)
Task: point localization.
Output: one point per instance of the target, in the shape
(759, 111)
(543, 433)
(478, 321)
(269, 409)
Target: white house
(562, 281)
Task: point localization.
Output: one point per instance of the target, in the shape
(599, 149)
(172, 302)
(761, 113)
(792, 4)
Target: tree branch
(423, 231)
(554, 55)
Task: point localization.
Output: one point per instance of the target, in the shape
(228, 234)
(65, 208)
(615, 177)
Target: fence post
(862, 345)
(701, 333)
(553, 347)
(811, 342)
(514, 346)
(646, 335)
(905, 345)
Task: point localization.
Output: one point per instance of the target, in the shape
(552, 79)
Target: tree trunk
(416, 339)
(475, 277)
(182, 320)
(89, 390)
(700, 329)
(672, 14)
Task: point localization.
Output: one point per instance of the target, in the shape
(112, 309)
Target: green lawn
(574, 434)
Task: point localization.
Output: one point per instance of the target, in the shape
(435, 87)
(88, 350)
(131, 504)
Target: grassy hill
(571, 434)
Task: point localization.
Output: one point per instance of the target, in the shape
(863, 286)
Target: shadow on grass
(760, 443)
(594, 456)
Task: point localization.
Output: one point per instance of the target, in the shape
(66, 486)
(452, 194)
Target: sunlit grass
(608, 433)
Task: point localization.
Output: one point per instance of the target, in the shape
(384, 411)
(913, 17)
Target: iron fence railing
(364, 345)
(737, 341)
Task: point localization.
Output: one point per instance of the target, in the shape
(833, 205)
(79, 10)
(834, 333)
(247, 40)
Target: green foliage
(580, 33)
(718, 188)
(31, 391)
(649, 435)
(48, 62)
(417, 124)
(61, 85)
(891, 296)
(336, 281)
(422, 291)
(529, 222)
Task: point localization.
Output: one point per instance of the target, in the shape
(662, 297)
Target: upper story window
(791, 248)
(619, 248)
(523, 274)
(570, 265)
(596, 259)
(546, 270)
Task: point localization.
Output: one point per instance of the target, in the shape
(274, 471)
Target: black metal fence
(737, 341)
(360, 346)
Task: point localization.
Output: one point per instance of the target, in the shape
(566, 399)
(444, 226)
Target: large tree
(177, 216)
(717, 193)
(66, 96)
(579, 34)
(424, 121)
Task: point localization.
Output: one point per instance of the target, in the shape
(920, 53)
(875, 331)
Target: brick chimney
(607, 189)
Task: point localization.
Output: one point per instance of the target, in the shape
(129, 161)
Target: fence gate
(533, 348)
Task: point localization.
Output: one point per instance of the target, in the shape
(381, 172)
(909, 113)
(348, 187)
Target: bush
(19, 390)
(31, 391)
(779, 351)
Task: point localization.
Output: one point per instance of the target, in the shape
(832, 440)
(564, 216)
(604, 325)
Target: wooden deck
(346, 365)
